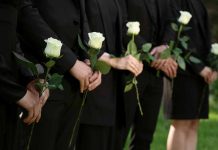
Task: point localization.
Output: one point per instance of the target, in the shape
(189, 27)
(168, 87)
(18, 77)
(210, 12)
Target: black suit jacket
(41, 19)
(11, 90)
(10, 87)
(104, 103)
(152, 17)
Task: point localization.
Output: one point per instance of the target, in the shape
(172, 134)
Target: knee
(182, 125)
(194, 125)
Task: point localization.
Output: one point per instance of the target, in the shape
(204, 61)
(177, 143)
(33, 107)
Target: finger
(166, 71)
(95, 84)
(170, 72)
(38, 117)
(33, 119)
(135, 67)
(174, 71)
(44, 98)
(160, 64)
(153, 51)
(39, 113)
(82, 84)
(87, 61)
(86, 86)
(94, 77)
(28, 119)
(132, 69)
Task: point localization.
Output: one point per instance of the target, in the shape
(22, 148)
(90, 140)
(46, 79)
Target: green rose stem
(41, 91)
(175, 45)
(78, 119)
(134, 80)
(137, 95)
(178, 35)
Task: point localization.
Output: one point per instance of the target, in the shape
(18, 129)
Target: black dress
(190, 91)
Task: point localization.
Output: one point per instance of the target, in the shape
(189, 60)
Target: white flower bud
(133, 28)
(95, 40)
(185, 17)
(214, 49)
(53, 48)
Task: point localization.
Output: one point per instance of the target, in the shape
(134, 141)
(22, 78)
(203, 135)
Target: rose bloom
(53, 48)
(185, 17)
(133, 28)
(214, 49)
(95, 40)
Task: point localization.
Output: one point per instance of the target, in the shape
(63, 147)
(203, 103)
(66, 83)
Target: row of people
(109, 113)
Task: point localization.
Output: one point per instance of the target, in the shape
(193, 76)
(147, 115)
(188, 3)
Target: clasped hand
(32, 102)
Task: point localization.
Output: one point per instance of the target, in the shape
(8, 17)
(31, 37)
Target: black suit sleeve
(32, 26)
(11, 91)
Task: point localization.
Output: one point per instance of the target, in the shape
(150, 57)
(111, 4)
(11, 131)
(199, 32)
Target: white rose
(185, 17)
(214, 49)
(53, 48)
(95, 40)
(133, 28)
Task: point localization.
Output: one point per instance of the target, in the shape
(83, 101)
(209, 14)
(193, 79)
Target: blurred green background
(208, 132)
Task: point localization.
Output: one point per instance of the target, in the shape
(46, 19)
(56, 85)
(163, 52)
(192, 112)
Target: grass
(208, 132)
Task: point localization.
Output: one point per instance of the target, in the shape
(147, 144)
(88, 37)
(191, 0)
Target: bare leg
(192, 135)
(177, 138)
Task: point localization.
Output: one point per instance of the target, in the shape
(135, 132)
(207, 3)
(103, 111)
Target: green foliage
(213, 61)
(175, 52)
(54, 81)
(129, 86)
(175, 27)
(129, 140)
(102, 67)
(50, 63)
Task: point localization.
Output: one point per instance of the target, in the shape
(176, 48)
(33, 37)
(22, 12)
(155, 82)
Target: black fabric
(57, 122)
(10, 84)
(192, 101)
(98, 138)
(186, 103)
(150, 89)
(100, 108)
(53, 23)
(39, 20)
(151, 14)
(11, 90)
(200, 35)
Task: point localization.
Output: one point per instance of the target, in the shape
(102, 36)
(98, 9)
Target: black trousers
(150, 89)
(93, 137)
(8, 127)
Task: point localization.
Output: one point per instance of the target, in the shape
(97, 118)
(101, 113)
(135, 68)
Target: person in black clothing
(14, 94)
(103, 117)
(190, 92)
(151, 15)
(60, 19)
